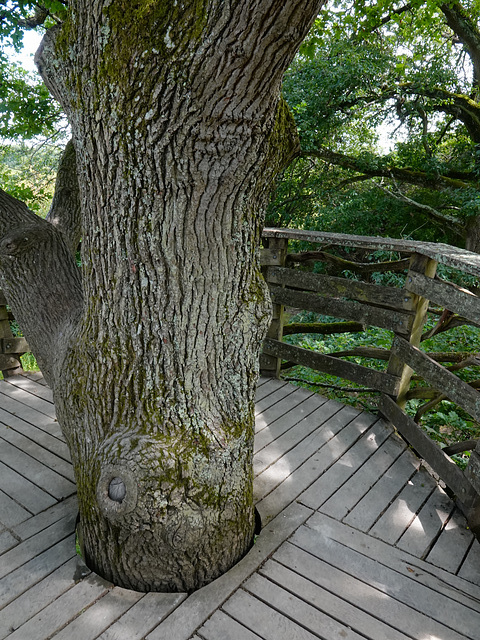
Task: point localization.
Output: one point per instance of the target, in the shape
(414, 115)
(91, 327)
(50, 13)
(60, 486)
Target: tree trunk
(178, 131)
(472, 234)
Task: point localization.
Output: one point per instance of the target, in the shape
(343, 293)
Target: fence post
(419, 307)
(274, 255)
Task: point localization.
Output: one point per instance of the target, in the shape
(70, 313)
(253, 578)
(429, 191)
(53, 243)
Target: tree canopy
(408, 67)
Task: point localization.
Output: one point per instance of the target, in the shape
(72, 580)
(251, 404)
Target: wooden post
(472, 509)
(413, 333)
(275, 254)
(9, 362)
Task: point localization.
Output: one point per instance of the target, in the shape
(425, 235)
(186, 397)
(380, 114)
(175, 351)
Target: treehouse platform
(358, 540)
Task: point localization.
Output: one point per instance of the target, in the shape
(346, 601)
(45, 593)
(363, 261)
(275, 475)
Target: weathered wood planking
(446, 254)
(334, 366)
(14, 345)
(446, 295)
(454, 388)
(31, 400)
(308, 451)
(294, 472)
(335, 287)
(402, 599)
(28, 383)
(350, 310)
(400, 513)
(427, 449)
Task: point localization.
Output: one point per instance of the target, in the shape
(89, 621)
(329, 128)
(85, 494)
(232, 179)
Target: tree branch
(35, 20)
(410, 176)
(41, 282)
(342, 265)
(65, 212)
(463, 26)
(453, 224)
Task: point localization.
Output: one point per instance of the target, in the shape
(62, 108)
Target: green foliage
(28, 173)
(26, 107)
(322, 91)
(446, 423)
(28, 362)
(383, 64)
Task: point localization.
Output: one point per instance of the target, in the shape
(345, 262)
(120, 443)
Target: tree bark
(65, 212)
(178, 131)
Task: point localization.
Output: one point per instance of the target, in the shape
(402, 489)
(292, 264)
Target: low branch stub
(117, 491)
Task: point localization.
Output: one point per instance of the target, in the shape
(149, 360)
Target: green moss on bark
(166, 29)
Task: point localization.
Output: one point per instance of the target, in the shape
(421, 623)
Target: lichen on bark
(178, 130)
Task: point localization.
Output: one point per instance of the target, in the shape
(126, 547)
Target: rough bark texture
(178, 131)
(65, 212)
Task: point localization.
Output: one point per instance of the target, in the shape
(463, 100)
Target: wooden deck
(359, 541)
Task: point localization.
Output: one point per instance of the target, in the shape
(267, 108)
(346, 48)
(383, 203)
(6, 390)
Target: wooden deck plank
(346, 465)
(294, 473)
(263, 619)
(100, 615)
(268, 386)
(27, 383)
(368, 510)
(453, 544)
(26, 413)
(400, 514)
(399, 600)
(427, 524)
(288, 400)
(26, 493)
(279, 393)
(28, 399)
(39, 596)
(63, 610)
(39, 453)
(367, 598)
(7, 541)
(47, 479)
(54, 444)
(32, 572)
(31, 548)
(283, 441)
(11, 513)
(31, 527)
(298, 607)
(222, 627)
(283, 416)
(329, 603)
(144, 616)
(434, 578)
(470, 566)
(345, 499)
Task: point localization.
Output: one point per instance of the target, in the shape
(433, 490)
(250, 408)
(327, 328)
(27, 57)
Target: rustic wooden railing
(402, 310)
(11, 347)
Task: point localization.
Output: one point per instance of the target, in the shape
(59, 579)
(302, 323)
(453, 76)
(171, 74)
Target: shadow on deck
(359, 541)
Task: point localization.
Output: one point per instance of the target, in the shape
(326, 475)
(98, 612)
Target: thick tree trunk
(178, 132)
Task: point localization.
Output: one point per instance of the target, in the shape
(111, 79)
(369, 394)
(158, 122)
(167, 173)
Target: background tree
(151, 349)
(411, 66)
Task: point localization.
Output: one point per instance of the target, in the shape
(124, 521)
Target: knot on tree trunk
(23, 240)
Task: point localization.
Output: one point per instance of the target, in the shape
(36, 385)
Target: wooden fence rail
(11, 347)
(401, 310)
